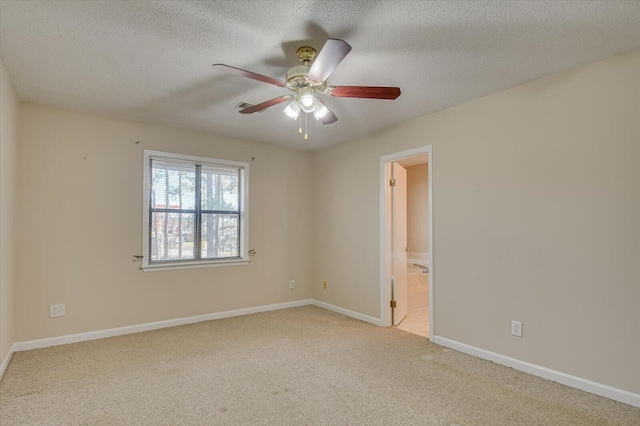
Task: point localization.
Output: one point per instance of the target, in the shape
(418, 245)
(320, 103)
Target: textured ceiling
(151, 60)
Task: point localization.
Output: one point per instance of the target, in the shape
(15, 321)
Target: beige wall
(80, 223)
(418, 208)
(8, 142)
(537, 204)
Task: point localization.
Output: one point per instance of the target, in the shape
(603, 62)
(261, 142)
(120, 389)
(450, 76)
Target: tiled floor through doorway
(416, 322)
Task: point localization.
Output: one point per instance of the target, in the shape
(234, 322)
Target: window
(195, 211)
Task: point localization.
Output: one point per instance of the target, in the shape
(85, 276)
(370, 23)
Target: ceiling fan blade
(266, 104)
(248, 74)
(364, 92)
(330, 117)
(332, 53)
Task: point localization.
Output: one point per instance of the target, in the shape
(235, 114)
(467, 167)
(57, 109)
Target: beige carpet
(300, 366)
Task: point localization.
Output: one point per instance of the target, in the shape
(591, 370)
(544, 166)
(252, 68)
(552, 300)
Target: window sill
(192, 265)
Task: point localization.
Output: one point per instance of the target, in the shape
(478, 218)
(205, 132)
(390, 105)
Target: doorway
(406, 241)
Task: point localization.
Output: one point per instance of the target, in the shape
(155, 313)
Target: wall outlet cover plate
(516, 328)
(56, 310)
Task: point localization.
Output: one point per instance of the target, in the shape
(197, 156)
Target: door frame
(385, 233)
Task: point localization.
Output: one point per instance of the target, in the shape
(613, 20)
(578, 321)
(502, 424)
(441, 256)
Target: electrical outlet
(292, 284)
(56, 310)
(516, 328)
(325, 285)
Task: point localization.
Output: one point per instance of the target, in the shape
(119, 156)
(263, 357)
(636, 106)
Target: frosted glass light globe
(308, 102)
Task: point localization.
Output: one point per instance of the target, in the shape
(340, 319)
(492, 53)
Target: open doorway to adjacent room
(406, 241)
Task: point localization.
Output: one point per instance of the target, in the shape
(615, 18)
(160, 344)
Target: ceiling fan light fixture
(308, 82)
(292, 110)
(320, 112)
(308, 102)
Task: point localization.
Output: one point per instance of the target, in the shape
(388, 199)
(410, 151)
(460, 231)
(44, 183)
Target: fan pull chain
(300, 128)
(305, 127)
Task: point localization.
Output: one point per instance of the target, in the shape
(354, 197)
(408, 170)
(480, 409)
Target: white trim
(546, 373)
(6, 360)
(244, 214)
(384, 253)
(112, 332)
(347, 312)
(385, 275)
(101, 334)
(190, 265)
(432, 305)
(385, 282)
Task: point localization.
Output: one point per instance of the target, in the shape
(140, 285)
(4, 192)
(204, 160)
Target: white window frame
(244, 216)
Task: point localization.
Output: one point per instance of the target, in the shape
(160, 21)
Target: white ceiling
(151, 60)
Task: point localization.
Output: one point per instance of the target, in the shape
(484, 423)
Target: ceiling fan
(309, 80)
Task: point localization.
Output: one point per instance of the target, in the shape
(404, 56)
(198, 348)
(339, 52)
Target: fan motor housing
(297, 79)
(297, 72)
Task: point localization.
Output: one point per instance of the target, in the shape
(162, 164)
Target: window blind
(194, 210)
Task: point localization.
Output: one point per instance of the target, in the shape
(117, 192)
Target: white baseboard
(546, 373)
(112, 332)
(101, 334)
(347, 312)
(5, 361)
